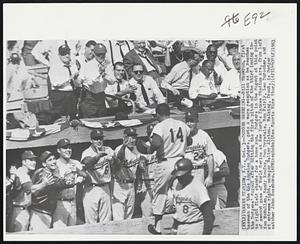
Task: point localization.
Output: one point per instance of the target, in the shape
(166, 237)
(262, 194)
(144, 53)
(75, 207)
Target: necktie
(118, 87)
(144, 94)
(120, 46)
(191, 76)
(70, 74)
(148, 60)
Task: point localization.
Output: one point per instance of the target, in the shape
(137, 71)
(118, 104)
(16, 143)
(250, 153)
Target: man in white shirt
(95, 76)
(202, 85)
(119, 88)
(63, 75)
(147, 92)
(231, 84)
(45, 51)
(178, 80)
(88, 53)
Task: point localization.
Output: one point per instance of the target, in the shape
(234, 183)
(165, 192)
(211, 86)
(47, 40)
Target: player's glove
(142, 147)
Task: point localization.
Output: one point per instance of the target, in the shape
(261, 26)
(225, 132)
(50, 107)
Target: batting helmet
(182, 167)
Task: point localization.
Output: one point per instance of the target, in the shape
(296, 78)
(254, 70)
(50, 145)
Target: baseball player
(20, 213)
(46, 185)
(217, 191)
(146, 180)
(169, 139)
(97, 160)
(124, 170)
(200, 152)
(194, 213)
(70, 170)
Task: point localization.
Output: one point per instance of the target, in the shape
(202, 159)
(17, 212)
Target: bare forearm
(208, 217)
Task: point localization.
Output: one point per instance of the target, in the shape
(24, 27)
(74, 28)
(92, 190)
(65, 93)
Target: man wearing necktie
(147, 93)
(63, 75)
(95, 76)
(141, 55)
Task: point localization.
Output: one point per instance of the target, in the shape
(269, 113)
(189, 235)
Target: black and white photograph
(139, 136)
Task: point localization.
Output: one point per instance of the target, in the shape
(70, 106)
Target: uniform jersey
(100, 172)
(201, 147)
(129, 165)
(26, 183)
(188, 201)
(67, 172)
(174, 134)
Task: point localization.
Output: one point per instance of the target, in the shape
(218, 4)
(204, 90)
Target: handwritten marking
(249, 18)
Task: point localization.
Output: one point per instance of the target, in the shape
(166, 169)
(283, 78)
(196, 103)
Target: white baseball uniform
(65, 212)
(20, 215)
(201, 147)
(124, 192)
(188, 201)
(97, 198)
(174, 134)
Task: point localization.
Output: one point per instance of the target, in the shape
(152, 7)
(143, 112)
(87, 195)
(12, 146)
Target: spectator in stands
(70, 170)
(203, 83)
(141, 55)
(147, 92)
(178, 80)
(232, 49)
(116, 50)
(95, 76)
(46, 186)
(231, 84)
(88, 53)
(119, 88)
(219, 67)
(22, 200)
(63, 75)
(175, 56)
(45, 51)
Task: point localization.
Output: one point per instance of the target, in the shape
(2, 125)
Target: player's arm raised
(208, 217)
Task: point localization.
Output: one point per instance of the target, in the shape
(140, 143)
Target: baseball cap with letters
(191, 116)
(130, 132)
(97, 134)
(28, 155)
(64, 50)
(100, 49)
(63, 142)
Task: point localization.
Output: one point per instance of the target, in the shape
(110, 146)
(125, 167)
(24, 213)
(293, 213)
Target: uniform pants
(97, 204)
(40, 221)
(199, 174)
(93, 105)
(162, 177)
(218, 196)
(123, 201)
(64, 214)
(145, 201)
(64, 103)
(190, 229)
(20, 219)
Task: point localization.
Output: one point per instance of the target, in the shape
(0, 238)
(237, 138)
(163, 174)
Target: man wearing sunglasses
(147, 92)
(95, 76)
(97, 160)
(70, 170)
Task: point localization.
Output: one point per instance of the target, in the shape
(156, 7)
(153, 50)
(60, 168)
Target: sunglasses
(138, 72)
(98, 138)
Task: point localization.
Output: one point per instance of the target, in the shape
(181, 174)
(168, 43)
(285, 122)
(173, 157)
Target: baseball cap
(191, 116)
(64, 50)
(97, 134)
(45, 155)
(63, 142)
(130, 132)
(182, 167)
(100, 49)
(28, 155)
